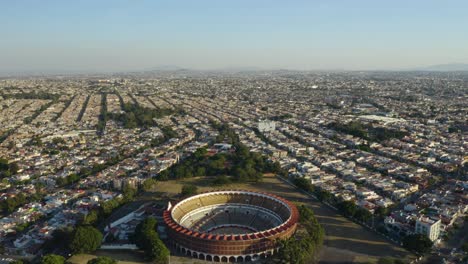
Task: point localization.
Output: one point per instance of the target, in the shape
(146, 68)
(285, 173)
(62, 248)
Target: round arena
(230, 226)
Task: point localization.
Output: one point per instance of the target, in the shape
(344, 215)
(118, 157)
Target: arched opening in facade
(240, 259)
(195, 254)
(201, 256)
(224, 259)
(209, 258)
(232, 259)
(248, 258)
(216, 259)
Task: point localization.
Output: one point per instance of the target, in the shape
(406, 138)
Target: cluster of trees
(106, 208)
(147, 239)
(70, 179)
(6, 134)
(85, 239)
(168, 132)
(242, 164)
(465, 247)
(302, 247)
(138, 116)
(225, 134)
(8, 169)
(281, 117)
(148, 184)
(52, 259)
(350, 209)
(32, 95)
(11, 203)
(418, 243)
(367, 132)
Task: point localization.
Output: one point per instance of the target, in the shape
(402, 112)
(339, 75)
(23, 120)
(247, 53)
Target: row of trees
(31, 95)
(12, 203)
(302, 247)
(347, 208)
(83, 109)
(106, 208)
(146, 238)
(101, 126)
(37, 112)
(418, 243)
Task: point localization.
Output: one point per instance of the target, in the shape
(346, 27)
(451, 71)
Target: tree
(143, 231)
(13, 167)
(200, 171)
(91, 218)
(465, 247)
(221, 180)
(418, 243)
(85, 239)
(60, 240)
(303, 183)
(148, 184)
(52, 259)
(189, 190)
(108, 206)
(129, 193)
(381, 211)
(348, 208)
(102, 260)
(147, 239)
(323, 195)
(363, 214)
(302, 249)
(159, 252)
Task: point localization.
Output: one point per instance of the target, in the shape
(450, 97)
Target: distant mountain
(447, 67)
(166, 68)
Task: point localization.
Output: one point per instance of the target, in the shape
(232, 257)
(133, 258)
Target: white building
(266, 126)
(428, 227)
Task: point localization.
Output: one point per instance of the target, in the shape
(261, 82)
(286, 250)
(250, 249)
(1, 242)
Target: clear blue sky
(113, 35)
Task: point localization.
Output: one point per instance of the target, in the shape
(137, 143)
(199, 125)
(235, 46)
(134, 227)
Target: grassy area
(122, 256)
(345, 241)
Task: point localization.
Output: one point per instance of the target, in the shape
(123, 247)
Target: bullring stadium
(231, 225)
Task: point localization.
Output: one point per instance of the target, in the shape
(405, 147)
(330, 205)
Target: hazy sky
(113, 35)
